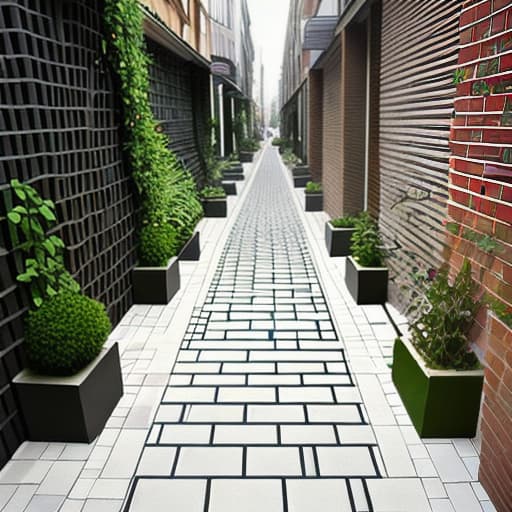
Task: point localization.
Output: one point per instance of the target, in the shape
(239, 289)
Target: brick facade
(480, 211)
(332, 151)
(315, 131)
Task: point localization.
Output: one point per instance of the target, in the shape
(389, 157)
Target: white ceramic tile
(125, 454)
(345, 461)
(463, 498)
(24, 471)
(448, 463)
(309, 495)
(61, 478)
(209, 461)
(398, 495)
(255, 495)
(274, 461)
(394, 451)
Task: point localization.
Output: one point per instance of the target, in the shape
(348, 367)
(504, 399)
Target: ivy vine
(167, 191)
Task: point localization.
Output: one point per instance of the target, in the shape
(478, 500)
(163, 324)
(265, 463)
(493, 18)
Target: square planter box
(367, 285)
(229, 188)
(215, 207)
(191, 250)
(71, 409)
(236, 167)
(156, 285)
(441, 403)
(337, 240)
(301, 181)
(246, 156)
(233, 175)
(314, 202)
(300, 170)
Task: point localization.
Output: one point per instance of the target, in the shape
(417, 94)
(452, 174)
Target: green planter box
(441, 403)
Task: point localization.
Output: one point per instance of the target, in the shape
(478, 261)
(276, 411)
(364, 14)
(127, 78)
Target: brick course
(480, 205)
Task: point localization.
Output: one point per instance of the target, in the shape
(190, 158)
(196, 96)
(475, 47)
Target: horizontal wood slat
(419, 45)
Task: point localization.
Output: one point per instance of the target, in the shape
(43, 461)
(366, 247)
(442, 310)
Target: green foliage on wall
(168, 194)
(44, 268)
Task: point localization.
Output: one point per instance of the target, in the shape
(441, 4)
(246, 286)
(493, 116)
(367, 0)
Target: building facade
(389, 130)
(232, 66)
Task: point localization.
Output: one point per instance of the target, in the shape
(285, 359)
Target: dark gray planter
(71, 409)
(156, 285)
(246, 156)
(367, 285)
(337, 240)
(301, 181)
(230, 188)
(215, 207)
(233, 175)
(236, 167)
(301, 170)
(314, 201)
(191, 250)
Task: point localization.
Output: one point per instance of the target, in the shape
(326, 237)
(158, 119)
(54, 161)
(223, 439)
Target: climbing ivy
(168, 194)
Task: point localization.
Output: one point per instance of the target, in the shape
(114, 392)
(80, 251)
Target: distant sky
(268, 25)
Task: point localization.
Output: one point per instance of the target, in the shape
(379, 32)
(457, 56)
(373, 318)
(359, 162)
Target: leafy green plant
(290, 158)
(501, 310)
(65, 334)
(249, 145)
(313, 187)
(168, 193)
(458, 76)
(348, 221)
(44, 266)
(213, 193)
(366, 243)
(480, 88)
(157, 241)
(485, 243)
(440, 333)
(282, 143)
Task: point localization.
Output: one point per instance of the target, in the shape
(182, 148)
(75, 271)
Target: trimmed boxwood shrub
(157, 241)
(65, 334)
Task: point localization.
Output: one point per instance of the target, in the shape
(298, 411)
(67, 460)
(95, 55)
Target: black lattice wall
(181, 103)
(59, 131)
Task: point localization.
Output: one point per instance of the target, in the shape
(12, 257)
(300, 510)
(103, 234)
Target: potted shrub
(314, 197)
(437, 375)
(73, 381)
(366, 276)
(214, 202)
(282, 144)
(156, 278)
(338, 233)
(247, 148)
(169, 203)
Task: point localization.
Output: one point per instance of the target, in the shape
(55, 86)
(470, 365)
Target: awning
(319, 32)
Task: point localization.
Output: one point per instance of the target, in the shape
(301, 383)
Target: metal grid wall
(59, 131)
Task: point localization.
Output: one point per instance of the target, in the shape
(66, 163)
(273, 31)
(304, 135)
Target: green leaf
(18, 190)
(48, 245)
(51, 291)
(57, 242)
(14, 217)
(47, 213)
(38, 301)
(24, 278)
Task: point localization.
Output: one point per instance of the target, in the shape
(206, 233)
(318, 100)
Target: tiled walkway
(261, 406)
(264, 409)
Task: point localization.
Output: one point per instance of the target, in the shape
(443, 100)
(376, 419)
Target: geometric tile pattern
(260, 405)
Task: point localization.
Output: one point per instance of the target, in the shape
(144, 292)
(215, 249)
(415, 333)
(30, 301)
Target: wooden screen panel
(419, 45)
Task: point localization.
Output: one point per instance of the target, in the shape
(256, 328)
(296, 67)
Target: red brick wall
(480, 211)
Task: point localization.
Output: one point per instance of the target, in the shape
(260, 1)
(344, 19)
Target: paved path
(261, 409)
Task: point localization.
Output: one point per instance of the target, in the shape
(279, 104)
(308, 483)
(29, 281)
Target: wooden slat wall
(419, 47)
